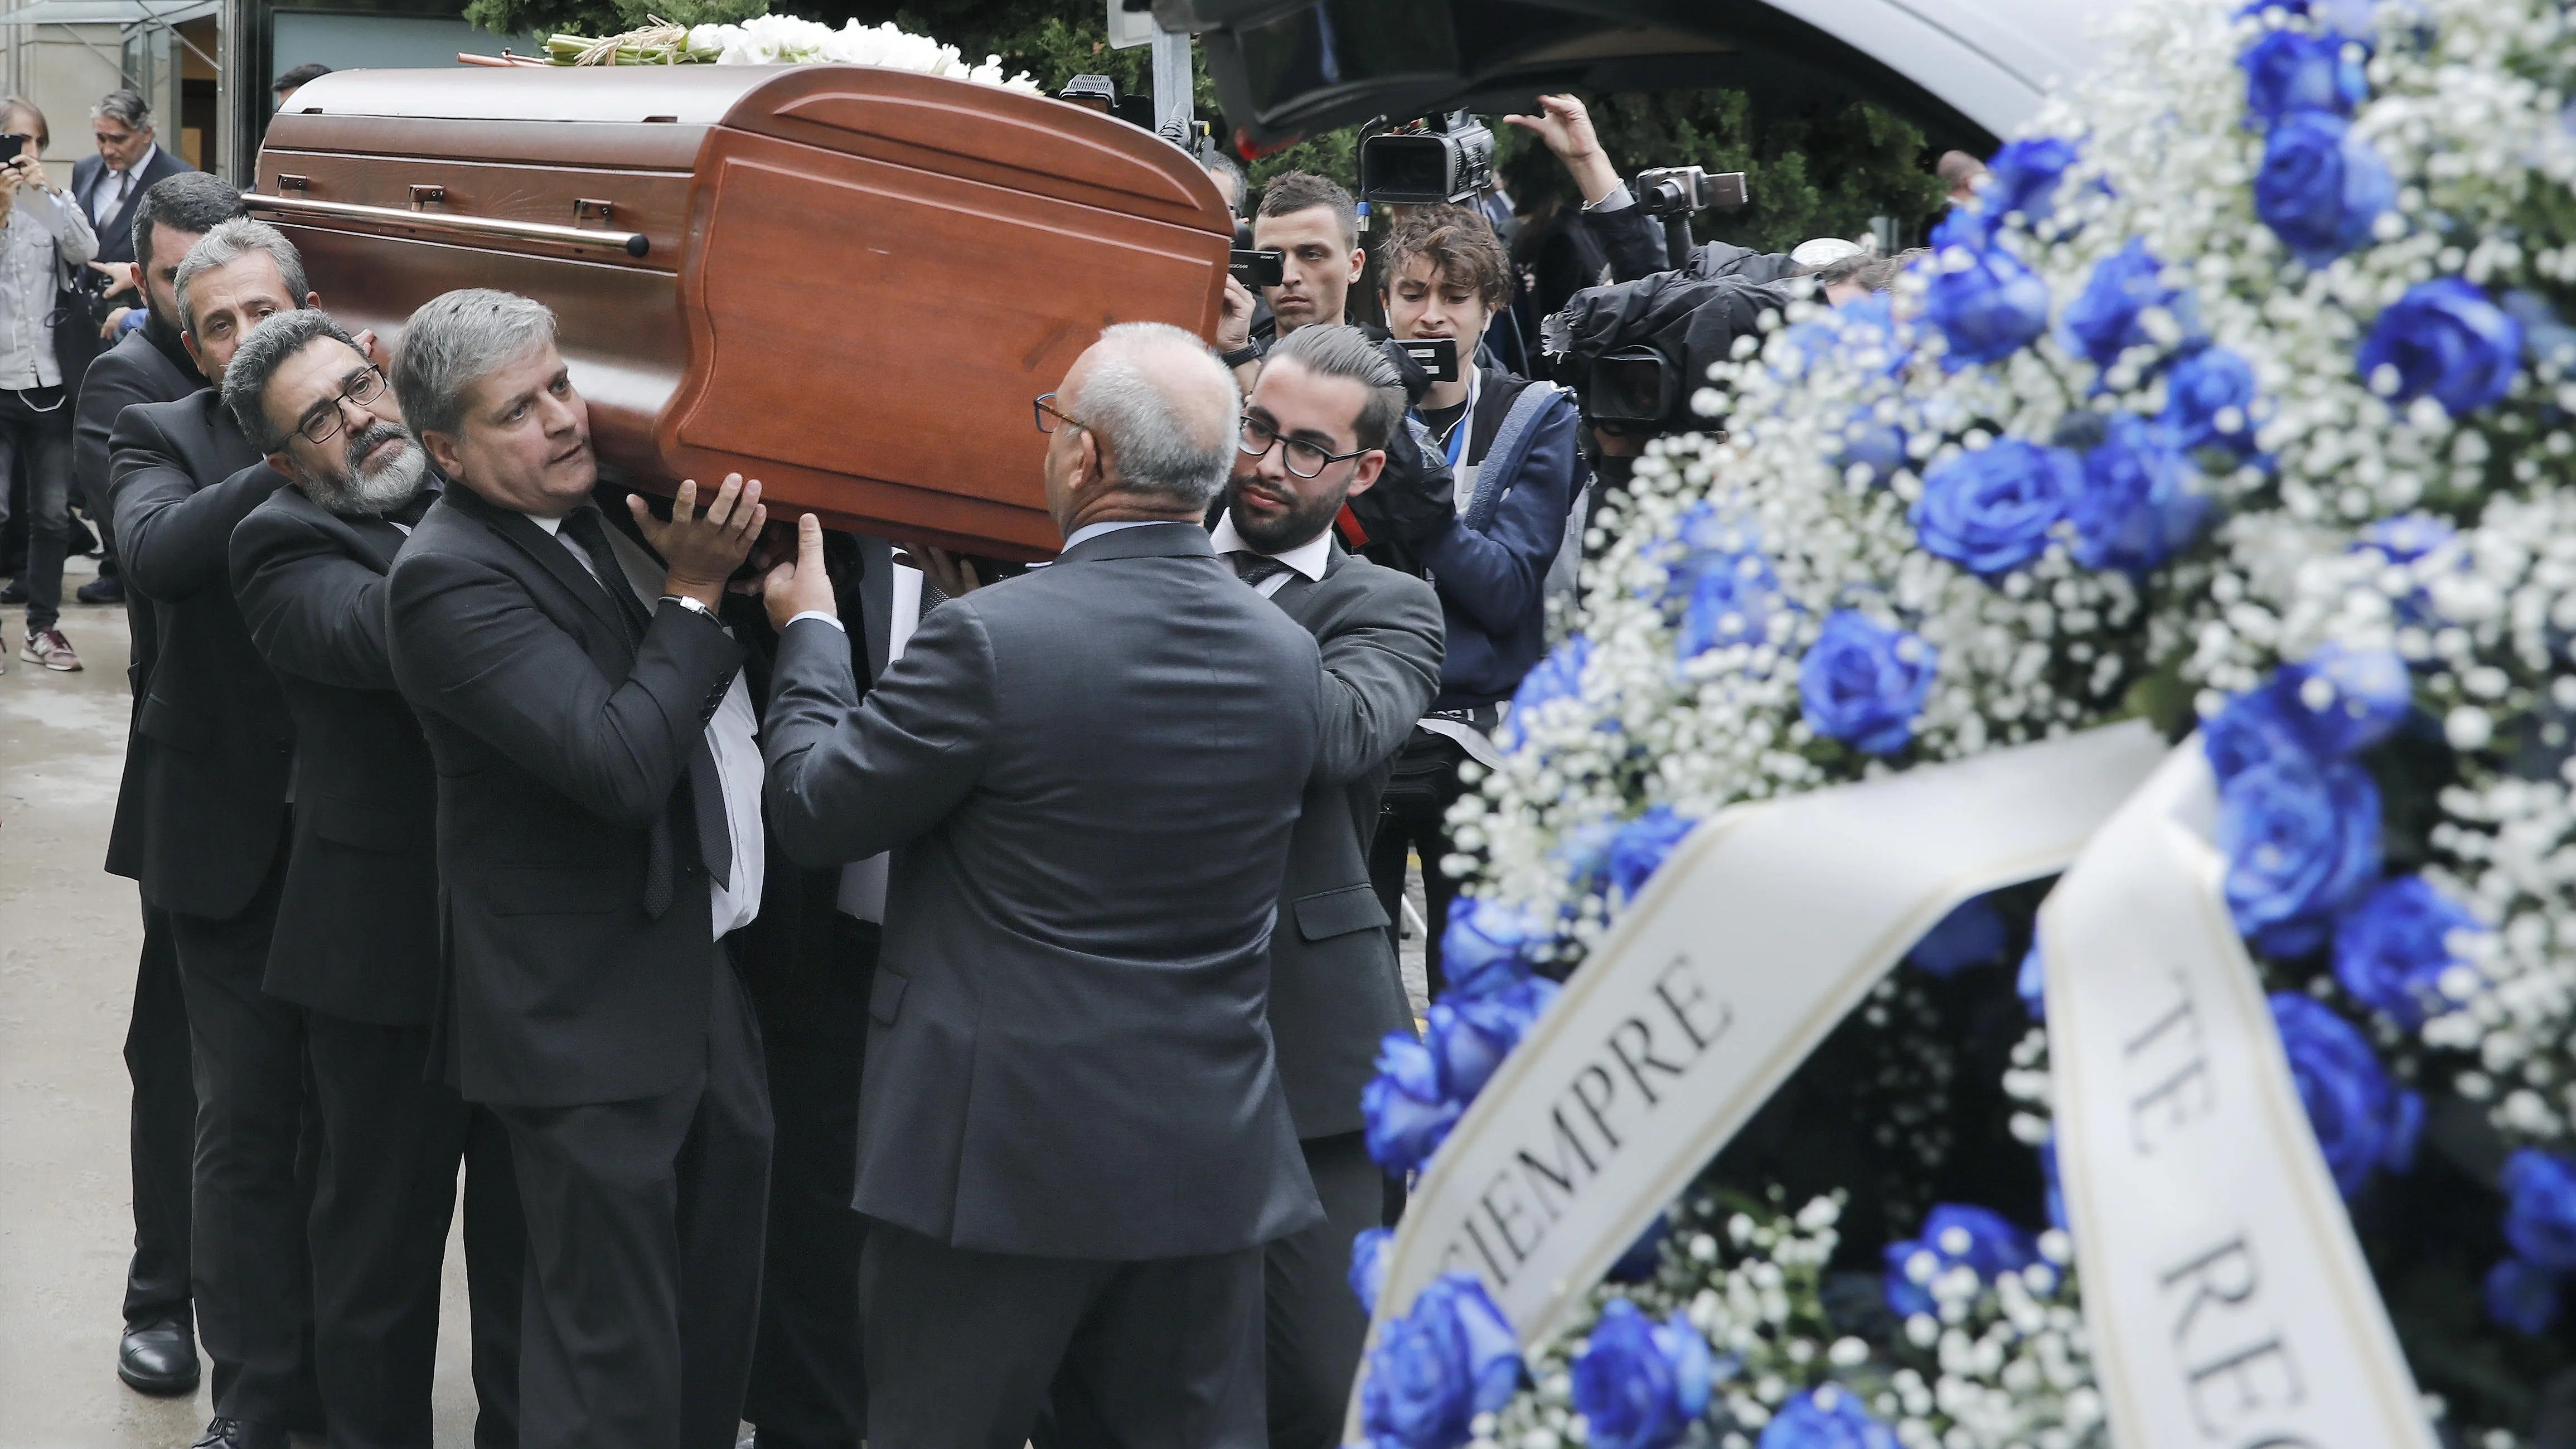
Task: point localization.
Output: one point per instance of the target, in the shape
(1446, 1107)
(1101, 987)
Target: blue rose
(2341, 701)
(2209, 402)
(2140, 503)
(2287, 71)
(2023, 178)
(2250, 731)
(1731, 595)
(1990, 511)
(1407, 1114)
(1558, 676)
(2540, 1208)
(1863, 683)
(2053, 1187)
(2522, 1297)
(1871, 444)
(2301, 839)
(1986, 303)
(2407, 537)
(1643, 1256)
(2393, 946)
(1487, 945)
(1639, 1384)
(1368, 1265)
(2443, 340)
(1954, 1235)
(1639, 848)
(1826, 1417)
(1583, 853)
(2030, 983)
(2320, 186)
(2362, 1120)
(1972, 934)
(1451, 1357)
(1468, 1036)
(2103, 320)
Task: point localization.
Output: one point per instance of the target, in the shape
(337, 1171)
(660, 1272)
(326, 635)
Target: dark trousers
(965, 1349)
(162, 1133)
(1314, 1327)
(643, 1273)
(1413, 814)
(808, 1380)
(254, 1295)
(36, 445)
(384, 1193)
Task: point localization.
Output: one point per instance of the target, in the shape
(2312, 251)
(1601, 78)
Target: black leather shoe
(101, 591)
(158, 1358)
(14, 593)
(241, 1434)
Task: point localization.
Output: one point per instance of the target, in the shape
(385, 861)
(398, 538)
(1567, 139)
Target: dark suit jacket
(135, 370)
(357, 922)
(1093, 770)
(181, 475)
(116, 239)
(557, 745)
(1335, 988)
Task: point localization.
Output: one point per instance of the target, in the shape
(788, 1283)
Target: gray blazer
(1093, 771)
(1334, 985)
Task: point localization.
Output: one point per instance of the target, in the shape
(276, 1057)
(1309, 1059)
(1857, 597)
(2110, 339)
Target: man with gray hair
(110, 184)
(1072, 1141)
(356, 941)
(214, 797)
(599, 838)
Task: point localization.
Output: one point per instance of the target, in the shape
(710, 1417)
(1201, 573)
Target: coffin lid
(936, 123)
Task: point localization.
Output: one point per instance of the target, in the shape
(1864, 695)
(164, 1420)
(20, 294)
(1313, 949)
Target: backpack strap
(1504, 456)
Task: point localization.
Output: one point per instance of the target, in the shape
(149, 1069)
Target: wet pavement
(68, 937)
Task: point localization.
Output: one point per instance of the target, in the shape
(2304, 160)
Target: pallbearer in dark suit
(599, 836)
(1325, 404)
(214, 840)
(1072, 1138)
(158, 1352)
(357, 922)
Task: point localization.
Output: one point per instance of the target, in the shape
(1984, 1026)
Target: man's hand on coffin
(950, 573)
(376, 352)
(701, 550)
(803, 586)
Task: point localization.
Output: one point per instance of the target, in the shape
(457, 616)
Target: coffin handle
(386, 218)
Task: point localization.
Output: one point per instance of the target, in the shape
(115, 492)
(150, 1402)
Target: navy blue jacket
(1490, 567)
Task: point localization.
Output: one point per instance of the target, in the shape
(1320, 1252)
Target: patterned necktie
(1254, 568)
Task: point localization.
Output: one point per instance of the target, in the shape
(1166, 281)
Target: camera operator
(1611, 239)
(1315, 225)
(43, 339)
(1494, 550)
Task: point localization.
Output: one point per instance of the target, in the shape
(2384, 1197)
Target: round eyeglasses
(363, 388)
(1302, 459)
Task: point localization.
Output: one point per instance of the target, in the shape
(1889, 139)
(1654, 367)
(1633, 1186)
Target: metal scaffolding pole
(241, 88)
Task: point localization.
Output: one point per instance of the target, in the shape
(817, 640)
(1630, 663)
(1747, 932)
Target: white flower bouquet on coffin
(2240, 406)
(781, 40)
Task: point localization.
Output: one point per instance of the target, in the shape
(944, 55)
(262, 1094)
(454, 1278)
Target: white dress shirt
(108, 193)
(1309, 558)
(732, 735)
(42, 226)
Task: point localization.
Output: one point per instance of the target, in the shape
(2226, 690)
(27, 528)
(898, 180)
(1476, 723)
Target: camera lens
(1407, 169)
(1633, 385)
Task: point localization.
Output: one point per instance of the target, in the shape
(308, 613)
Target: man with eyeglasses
(356, 941)
(215, 794)
(1313, 436)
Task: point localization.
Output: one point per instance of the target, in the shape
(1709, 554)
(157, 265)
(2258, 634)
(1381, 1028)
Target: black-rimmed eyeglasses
(362, 389)
(1302, 458)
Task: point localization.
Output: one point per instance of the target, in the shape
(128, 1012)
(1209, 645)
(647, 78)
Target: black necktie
(696, 807)
(585, 529)
(1254, 568)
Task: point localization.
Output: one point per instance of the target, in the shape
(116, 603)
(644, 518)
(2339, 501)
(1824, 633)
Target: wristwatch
(1249, 352)
(693, 605)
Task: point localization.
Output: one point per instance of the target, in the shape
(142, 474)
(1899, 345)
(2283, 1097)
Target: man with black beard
(158, 1354)
(1312, 437)
(356, 941)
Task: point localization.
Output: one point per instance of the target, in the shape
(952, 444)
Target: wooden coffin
(847, 282)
